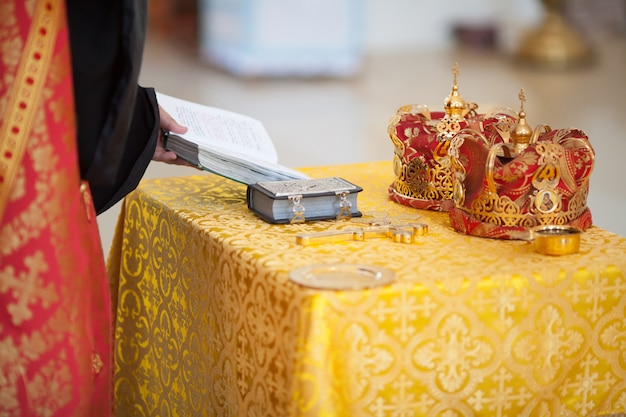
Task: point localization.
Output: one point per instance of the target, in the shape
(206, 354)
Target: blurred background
(325, 76)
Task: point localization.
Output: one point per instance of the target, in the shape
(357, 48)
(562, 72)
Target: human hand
(167, 123)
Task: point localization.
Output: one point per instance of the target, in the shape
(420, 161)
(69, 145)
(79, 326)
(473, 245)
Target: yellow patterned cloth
(209, 323)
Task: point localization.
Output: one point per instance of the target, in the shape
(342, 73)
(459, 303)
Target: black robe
(117, 120)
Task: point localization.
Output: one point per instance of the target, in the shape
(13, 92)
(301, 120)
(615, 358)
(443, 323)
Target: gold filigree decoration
(503, 211)
(419, 181)
(416, 173)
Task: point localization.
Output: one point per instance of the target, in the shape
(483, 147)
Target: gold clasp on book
(345, 206)
(298, 209)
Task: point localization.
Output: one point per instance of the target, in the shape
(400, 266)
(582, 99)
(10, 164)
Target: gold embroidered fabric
(209, 324)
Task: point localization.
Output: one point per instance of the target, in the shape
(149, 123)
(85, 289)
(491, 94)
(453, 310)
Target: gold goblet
(555, 44)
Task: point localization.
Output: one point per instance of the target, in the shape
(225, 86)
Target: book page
(220, 130)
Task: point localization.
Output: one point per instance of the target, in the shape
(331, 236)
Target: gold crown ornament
(423, 170)
(530, 178)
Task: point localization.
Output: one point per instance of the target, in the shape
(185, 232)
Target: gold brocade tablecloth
(209, 324)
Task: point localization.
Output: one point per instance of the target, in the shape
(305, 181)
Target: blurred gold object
(556, 240)
(555, 44)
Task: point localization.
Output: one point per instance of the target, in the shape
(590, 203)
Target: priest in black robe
(119, 123)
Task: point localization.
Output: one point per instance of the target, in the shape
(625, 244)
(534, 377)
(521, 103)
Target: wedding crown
(424, 176)
(520, 178)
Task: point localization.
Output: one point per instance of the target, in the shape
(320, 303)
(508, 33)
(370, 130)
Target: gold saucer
(340, 276)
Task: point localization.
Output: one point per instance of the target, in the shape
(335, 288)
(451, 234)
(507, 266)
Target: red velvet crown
(422, 167)
(505, 187)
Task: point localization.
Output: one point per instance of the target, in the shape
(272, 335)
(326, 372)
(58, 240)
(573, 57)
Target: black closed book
(309, 199)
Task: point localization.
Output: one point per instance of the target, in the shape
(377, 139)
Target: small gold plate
(340, 276)
(556, 240)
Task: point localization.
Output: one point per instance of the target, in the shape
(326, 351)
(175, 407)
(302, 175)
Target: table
(209, 323)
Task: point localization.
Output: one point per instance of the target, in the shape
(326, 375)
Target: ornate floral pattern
(208, 322)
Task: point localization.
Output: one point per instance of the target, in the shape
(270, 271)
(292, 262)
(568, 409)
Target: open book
(229, 144)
